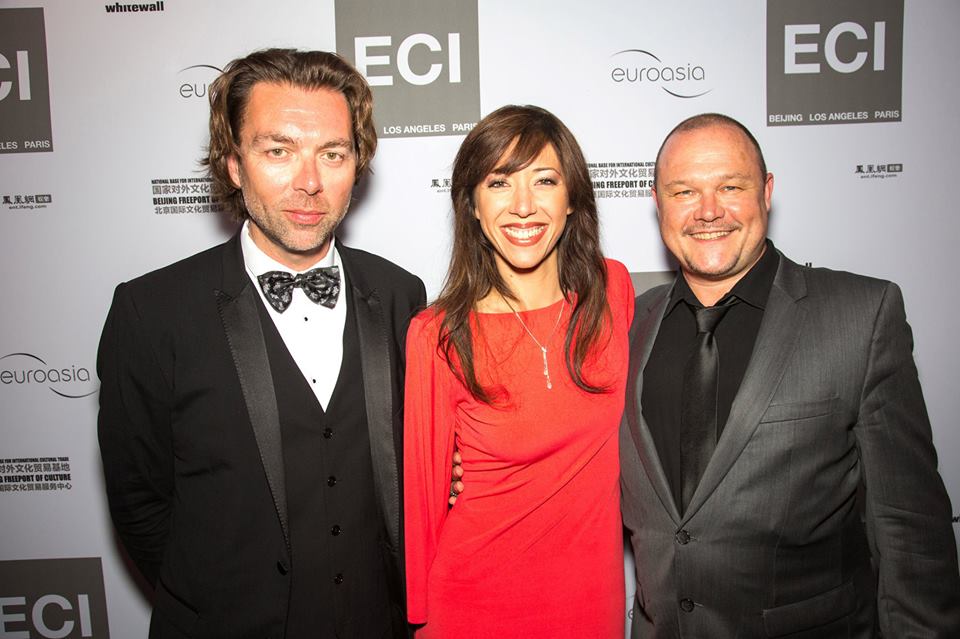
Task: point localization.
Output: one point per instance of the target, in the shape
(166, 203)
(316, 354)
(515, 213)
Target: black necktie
(321, 285)
(698, 414)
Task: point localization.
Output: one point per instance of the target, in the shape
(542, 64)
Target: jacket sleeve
(621, 294)
(416, 301)
(135, 436)
(428, 452)
(909, 516)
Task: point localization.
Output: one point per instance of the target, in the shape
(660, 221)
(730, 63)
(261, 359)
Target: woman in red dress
(521, 366)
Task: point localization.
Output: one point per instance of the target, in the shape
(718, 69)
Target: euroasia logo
(641, 67)
(26, 369)
(195, 80)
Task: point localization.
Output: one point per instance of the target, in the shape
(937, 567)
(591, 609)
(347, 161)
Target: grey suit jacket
(821, 513)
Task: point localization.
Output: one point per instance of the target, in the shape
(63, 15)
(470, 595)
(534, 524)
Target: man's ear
(233, 167)
(656, 199)
(768, 190)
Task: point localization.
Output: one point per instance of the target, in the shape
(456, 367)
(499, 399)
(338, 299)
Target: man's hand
(456, 486)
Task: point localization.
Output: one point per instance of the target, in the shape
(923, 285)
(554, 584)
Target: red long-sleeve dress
(534, 546)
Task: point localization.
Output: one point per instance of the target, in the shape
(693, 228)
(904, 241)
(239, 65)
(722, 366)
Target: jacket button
(331, 481)
(686, 605)
(338, 579)
(683, 538)
(282, 568)
(327, 433)
(335, 530)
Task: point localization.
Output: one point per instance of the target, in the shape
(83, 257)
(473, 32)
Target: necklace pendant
(543, 349)
(546, 368)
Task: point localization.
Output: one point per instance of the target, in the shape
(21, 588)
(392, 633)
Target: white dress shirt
(311, 332)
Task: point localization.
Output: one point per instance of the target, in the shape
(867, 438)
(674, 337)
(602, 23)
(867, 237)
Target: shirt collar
(753, 288)
(258, 262)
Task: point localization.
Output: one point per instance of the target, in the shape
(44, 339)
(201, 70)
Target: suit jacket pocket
(810, 613)
(175, 612)
(639, 607)
(796, 411)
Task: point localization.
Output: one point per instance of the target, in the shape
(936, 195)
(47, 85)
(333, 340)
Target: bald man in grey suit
(818, 511)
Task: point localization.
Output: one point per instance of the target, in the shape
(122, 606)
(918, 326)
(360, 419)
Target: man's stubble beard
(281, 234)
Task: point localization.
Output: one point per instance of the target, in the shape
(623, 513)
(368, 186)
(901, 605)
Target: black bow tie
(321, 285)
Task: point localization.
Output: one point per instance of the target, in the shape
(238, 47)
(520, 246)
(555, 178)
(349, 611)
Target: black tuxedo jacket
(827, 432)
(190, 436)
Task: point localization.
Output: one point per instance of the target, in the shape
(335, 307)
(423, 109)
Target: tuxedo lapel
(646, 325)
(237, 303)
(373, 335)
(780, 329)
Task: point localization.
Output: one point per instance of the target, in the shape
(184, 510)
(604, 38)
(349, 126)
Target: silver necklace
(543, 349)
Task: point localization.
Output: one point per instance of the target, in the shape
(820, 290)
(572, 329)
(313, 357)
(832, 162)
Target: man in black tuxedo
(250, 406)
(778, 473)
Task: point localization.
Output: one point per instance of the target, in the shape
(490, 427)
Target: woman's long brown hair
(525, 131)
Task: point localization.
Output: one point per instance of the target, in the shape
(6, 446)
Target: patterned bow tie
(321, 285)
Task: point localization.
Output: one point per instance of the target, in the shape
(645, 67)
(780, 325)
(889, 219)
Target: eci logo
(24, 87)
(365, 59)
(422, 62)
(639, 66)
(792, 48)
(53, 599)
(14, 612)
(834, 61)
(195, 80)
(23, 76)
(72, 382)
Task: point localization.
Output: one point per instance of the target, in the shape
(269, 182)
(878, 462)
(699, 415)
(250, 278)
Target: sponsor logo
(619, 180)
(15, 202)
(878, 171)
(134, 8)
(195, 80)
(53, 599)
(421, 61)
(24, 85)
(834, 61)
(179, 196)
(641, 67)
(26, 369)
(32, 474)
(440, 185)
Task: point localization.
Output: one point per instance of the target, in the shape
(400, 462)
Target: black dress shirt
(735, 336)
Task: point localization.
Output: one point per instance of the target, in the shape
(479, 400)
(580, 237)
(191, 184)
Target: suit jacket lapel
(237, 303)
(373, 334)
(643, 334)
(783, 319)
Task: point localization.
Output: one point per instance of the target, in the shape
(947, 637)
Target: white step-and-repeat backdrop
(103, 117)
